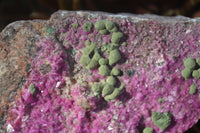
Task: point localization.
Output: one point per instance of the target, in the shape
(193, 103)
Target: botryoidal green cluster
(91, 59)
(192, 69)
(161, 120)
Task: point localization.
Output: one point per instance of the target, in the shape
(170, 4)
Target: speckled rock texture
(46, 55)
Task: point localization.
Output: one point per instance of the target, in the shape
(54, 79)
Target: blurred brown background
(12, 10)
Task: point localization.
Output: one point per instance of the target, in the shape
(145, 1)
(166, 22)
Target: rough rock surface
(47, 54)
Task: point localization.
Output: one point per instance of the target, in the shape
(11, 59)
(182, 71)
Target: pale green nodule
(123, 44)
(198, 61)
(186, 73)
(196, 74)
(190, 63)
(104, 70)
(75, 25)
(114, 57)
(111, 80)
(193, 89)
(94, 61)
(115, 93)
(87, 43)
(103, 61)
(115, 71)
(161, 120)
(97, 88)
(99, 25)
(85, 59)
(109, 25)
(87, 26)
(147, 130)
(116, 36)
(107, 89)
(103, 32)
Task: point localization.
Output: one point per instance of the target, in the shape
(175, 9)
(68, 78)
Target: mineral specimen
(95, 72)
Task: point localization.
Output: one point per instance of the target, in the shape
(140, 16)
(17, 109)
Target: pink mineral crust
(151, 67)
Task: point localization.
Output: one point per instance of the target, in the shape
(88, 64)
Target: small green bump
(87, 43)
(161, 120)
(110, 47)
(160, 100)
(190, 63)
(148, 130)
(115, 93)
(111, 80)
(192, 89)
(115, 45)
(196, 74)
(115, 71)
(114, 56)
(103, 61)
(97, 88)
(32, 89)
(87, 26)
(103, 32)
(92, 64)
(186, 73)
(92, 46)
(104, 70)
(109, 25)
(99, 25)
(75, 25)
(86, 51)
(96, 56)
(199, 95)
(107, 89)
(198, 61)
(104, 47)
(114, 29)
(123, 44)
(85, 60)
(116, 36)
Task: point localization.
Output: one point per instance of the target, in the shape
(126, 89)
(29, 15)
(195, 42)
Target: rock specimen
(92, 72)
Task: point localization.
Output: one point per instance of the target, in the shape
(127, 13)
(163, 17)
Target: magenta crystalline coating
(149, 69)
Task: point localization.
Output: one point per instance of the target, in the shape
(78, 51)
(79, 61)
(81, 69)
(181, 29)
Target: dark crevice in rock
(70, 59)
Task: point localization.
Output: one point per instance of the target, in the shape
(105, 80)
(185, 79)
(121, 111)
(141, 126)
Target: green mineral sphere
(97, 88)
(116, 36)
(196, 74)
(190, 63)
(161, 120)
(192, 89)
(85, 59)
(111, 80)
(148, 130)
(198, 61)
(186, 73)
(103, 61)
(99, 25)
(109, 25)
(114, 56)
(107, 89)
(104, 70)
(115, 71)
(87, 26)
